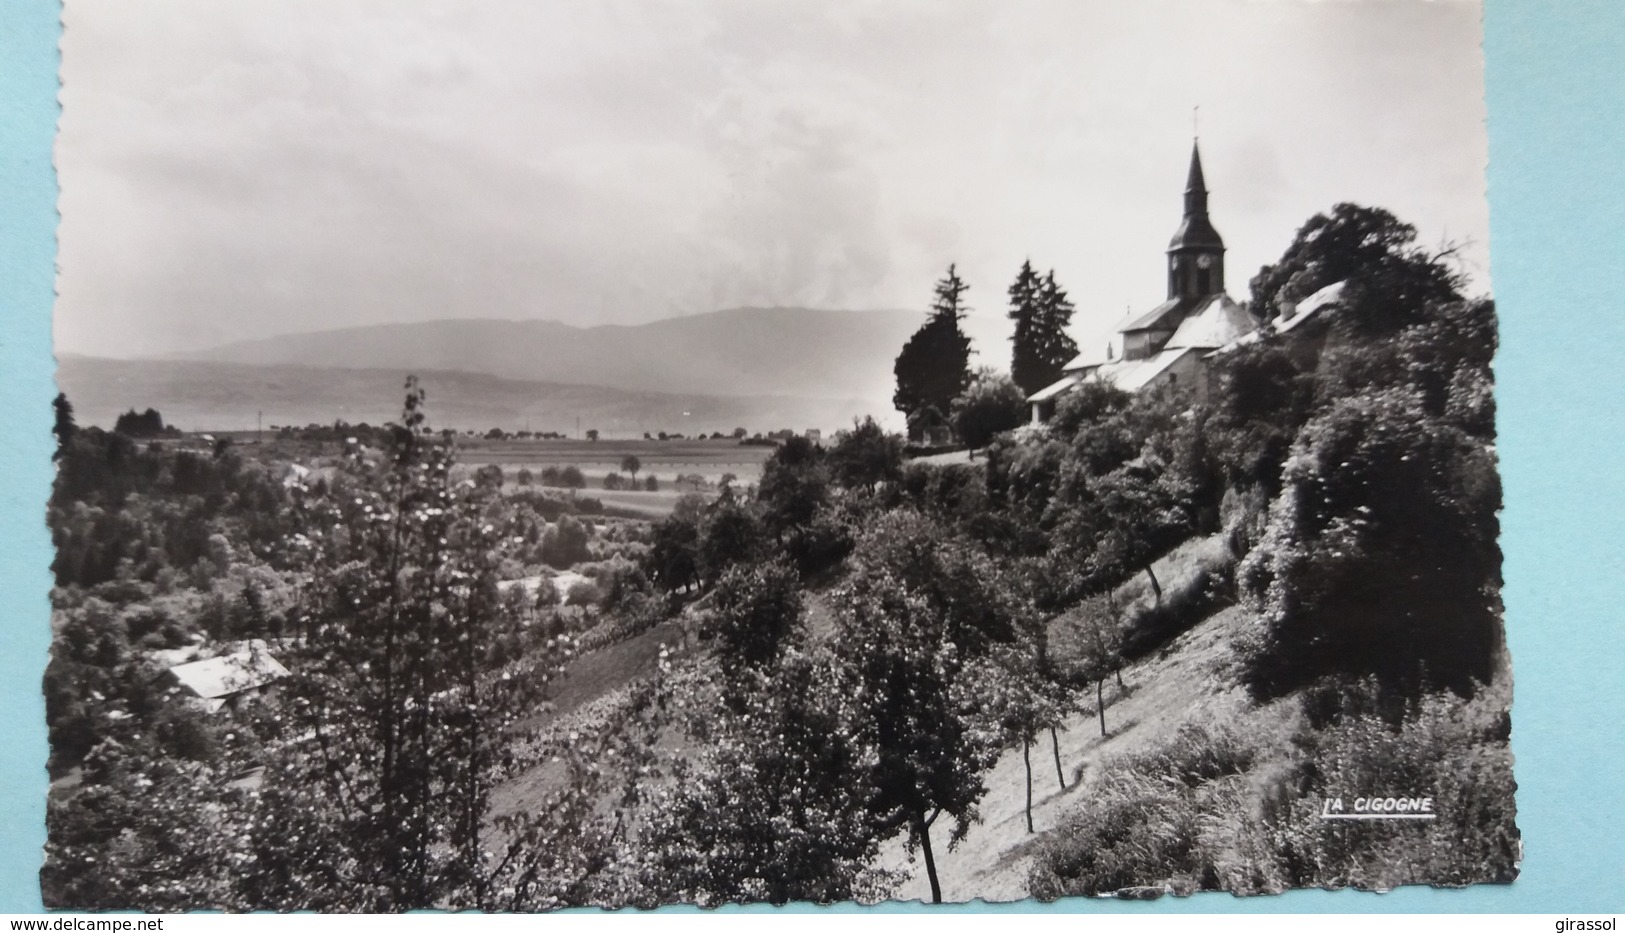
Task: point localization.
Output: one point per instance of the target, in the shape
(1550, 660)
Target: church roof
(1133, 375)
(1219, 321)
(1165, 316)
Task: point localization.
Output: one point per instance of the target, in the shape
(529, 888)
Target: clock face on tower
(1205, 262)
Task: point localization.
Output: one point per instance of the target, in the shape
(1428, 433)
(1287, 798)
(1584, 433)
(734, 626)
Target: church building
(1168, 345)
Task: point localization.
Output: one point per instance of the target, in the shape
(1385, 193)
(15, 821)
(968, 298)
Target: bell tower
(1196, 253)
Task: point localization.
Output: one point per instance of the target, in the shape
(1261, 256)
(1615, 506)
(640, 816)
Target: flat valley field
(665, 459)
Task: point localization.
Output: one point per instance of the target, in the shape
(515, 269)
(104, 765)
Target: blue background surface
(1555, 75)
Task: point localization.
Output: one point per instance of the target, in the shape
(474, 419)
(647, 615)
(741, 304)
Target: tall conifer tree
(1052, 347)
(1041, 312)
(1026, 366)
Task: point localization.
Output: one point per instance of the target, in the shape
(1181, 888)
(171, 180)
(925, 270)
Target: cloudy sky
(238, 170)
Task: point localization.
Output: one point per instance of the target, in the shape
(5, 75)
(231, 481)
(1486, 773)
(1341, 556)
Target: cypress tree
(934, 366)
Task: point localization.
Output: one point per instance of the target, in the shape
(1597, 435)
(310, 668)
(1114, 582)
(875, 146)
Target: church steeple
(1195, 186)
(1196, 253)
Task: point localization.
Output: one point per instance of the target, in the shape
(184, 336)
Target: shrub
(1453, 751)
(1380, 555)
(614, 481)
(991, 405)
(564, 543)
(1164, 818)
(584, 593)
(1183, 605)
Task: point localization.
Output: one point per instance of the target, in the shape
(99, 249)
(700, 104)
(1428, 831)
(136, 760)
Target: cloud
(236, 170)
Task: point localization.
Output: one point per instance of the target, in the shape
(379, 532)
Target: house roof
(1219, 321)
(1132, 375)
(1060, 387)
(1293, 315)
(1318, 305)
(1128, 375)
(220, 677)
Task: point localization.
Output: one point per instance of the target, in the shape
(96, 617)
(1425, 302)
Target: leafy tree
(991, 405)
(146, 424)
(794, 484)
(489, 476)
(928, 763)
(1018, 701)
(865, 456)
(631, 464)
(672, 561)
(1391, 279)
(1086, 406)
(1140, 515)
(651, 483)
(755, 608)
(934, 365)
(775, 807)
(731, 534)
(524, 477)
(915, 609)
(1259, 401)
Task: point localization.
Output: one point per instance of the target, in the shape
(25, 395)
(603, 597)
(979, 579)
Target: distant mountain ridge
(800, 352)
(199, 395)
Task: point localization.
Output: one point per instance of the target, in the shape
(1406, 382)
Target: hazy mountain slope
(744, 351)
(219, 396)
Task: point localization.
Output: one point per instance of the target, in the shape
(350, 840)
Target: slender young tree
(402, 695)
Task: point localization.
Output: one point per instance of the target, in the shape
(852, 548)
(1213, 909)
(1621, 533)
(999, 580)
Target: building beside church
(1168, 345)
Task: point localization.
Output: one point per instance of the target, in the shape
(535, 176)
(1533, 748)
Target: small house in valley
(228, 680)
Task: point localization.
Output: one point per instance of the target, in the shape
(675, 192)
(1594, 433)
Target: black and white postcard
(523, 455)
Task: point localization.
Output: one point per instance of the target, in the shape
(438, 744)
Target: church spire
(1195, 185)
(1196, 253)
